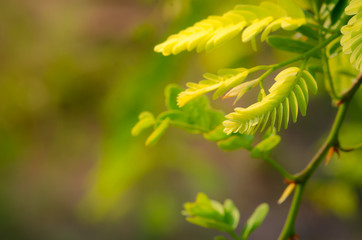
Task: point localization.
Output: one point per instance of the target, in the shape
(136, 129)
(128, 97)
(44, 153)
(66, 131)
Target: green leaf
(354, 7)
(310, 81)
(302, 102)
(274, 105)
(334, 49)
(230, 83)
(196, 117)
(338, 10)
(227, 78)
(304, 4)
(255, 220)
(308, 32)
(292, 8)
(248, 19)
(351, 40)
(216, 134)
(232, 215)
(289, 45)
(158, 132)
(293, 103)
(146, 120)
(210, 223)
(265, 146)
(171, 93)
(203, 207)
(200, 114)
(286, 112)
(212, 214)
(236, 142)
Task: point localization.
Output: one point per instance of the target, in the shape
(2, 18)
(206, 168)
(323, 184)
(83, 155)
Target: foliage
(215, 30)
(225, 218)
(352, 38)
(315, 34)
(289, 92)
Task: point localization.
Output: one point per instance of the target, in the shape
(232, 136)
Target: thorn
(294, 237)
(288, 190)
(288, 181)
(330, 154)
(338, 152)
(339, 102)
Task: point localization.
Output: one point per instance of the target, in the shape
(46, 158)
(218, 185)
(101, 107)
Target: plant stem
(303, 177)
(308, 53)
(332, 140)
(351, 148)
(234, 236)
(347, 95)
(319, 27)
(326, 71)
(289, 230)
(279, 168)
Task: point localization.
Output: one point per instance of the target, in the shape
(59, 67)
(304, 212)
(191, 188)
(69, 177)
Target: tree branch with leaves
(326, 29)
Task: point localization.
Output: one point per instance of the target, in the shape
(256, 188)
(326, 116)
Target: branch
(279, 168)
(352, 148)
(347, 95)
(302, 178)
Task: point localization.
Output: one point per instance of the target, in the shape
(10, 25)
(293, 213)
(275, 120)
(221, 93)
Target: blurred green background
(75, 74)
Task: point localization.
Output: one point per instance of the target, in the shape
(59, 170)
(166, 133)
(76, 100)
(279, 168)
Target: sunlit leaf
(248, 19)
(146, 120)
(158, 132)
(236, 142)
(276, 104)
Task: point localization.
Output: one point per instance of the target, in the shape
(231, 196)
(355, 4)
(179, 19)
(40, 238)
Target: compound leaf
(212, 214)
(221, 83)
(281, 99)
(352, 34)
(248, 19)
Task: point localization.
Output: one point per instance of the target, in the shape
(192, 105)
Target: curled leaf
(289, 92)
(146, 120)
(158, 132)
(241, 89)
(221, 83)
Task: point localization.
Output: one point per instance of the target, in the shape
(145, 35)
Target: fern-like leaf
(226, 79)
(215, 30)
(289, 92)
(352, 34)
